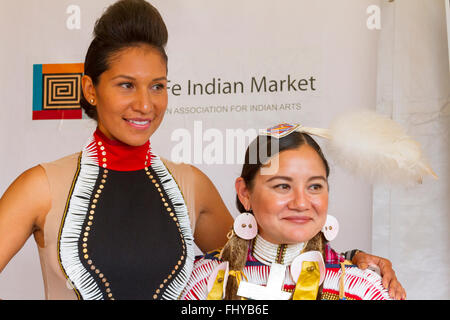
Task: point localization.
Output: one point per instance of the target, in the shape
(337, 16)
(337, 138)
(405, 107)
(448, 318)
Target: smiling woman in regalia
(279, 246)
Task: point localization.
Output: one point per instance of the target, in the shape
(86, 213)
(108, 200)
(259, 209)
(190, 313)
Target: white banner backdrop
(411, 225)
(447, 14)
(232, 65)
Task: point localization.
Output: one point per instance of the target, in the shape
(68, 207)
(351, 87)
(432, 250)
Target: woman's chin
(135, 139)
(297, 237)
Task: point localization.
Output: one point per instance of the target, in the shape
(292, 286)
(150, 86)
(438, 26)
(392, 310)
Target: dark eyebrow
(318, 177)
(131, 78)
(123, 76)
(290, 179)
(279, 177)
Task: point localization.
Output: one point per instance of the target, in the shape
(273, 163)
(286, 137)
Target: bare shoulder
(29, 194)
(200, 176)
(192, 177)
(188, 171)
(23, 208)
(178, 165)
(33, 179)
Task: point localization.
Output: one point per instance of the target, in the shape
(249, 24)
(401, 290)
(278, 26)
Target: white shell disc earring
(331, 228)
(245, 226)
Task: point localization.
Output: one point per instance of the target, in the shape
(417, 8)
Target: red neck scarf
(116, 155)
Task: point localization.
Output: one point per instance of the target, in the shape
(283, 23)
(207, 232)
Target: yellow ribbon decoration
(216, 292)
(308, 281)
(238, 275)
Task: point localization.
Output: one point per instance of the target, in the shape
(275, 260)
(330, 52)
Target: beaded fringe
(196, 289)
(364, 284)
(172, 190)
(71, 231)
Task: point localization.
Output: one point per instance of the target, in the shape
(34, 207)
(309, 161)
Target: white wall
(411, 226)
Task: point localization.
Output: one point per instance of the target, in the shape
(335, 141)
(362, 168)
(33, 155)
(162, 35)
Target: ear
(243, 193)
(89, 89)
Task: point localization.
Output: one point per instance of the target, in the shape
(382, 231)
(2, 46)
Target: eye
(316, 187)
(158, 87)
(126, 85)
(282, 187)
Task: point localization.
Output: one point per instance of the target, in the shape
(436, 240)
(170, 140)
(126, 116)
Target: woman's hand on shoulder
(390, 282)
(213, 219)
(23, 208)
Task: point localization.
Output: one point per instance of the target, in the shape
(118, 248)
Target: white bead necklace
(268, 253)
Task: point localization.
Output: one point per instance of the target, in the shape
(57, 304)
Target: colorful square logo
(57, 91)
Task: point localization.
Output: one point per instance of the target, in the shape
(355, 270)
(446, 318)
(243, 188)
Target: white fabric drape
(410, 226)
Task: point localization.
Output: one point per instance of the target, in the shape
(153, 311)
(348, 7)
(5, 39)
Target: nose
(143, 103)
(300, 200)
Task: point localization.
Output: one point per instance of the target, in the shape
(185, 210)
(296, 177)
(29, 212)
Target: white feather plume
(377, 148)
